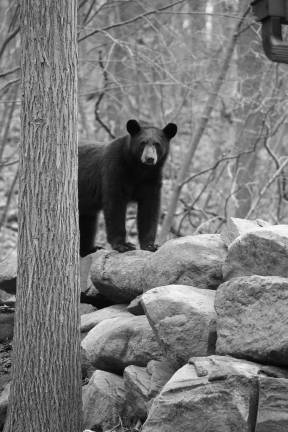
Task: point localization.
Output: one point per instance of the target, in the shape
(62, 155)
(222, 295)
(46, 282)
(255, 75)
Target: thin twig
(8, 123)
(8, 84)
(265, 187)
(8, 201)
(101, 95)
(9, 72)
(5, 164)
(7, 40)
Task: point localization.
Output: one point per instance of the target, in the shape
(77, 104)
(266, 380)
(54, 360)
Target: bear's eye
(157, 145)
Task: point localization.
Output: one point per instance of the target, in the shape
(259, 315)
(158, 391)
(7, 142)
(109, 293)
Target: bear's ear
(133, 127)
(170, 130)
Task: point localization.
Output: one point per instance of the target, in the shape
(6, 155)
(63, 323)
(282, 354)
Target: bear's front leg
(115, 218)
(147, 217)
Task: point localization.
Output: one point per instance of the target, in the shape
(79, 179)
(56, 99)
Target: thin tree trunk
(46, 386)
(201, 128)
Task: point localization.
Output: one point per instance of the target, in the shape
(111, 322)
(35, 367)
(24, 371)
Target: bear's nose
(150, 161)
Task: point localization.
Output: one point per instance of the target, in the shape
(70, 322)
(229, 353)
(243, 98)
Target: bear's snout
(149, 155)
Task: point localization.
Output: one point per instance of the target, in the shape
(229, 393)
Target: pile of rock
(195, 337)
(210, 351)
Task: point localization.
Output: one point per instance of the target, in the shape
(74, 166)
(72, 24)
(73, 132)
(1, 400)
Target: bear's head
(150, 145)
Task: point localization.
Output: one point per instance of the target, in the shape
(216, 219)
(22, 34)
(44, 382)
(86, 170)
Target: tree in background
(46, 385)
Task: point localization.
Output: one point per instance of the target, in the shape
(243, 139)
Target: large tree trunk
(46, 385)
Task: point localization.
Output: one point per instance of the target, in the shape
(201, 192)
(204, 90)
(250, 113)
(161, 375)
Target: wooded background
(197, 63)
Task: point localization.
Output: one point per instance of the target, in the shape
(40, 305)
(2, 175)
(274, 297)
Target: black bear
(129, 169)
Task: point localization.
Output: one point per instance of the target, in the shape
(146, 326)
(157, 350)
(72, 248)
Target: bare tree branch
(7, 40)
(265, 187)
(129, 21)
(8, 201)
(9, 72)
(101, 95)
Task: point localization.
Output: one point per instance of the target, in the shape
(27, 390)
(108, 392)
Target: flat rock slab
(192, 260)
(262, 252)
(8, 273)
(214, 393)
(119, 276)
(104, 400)
(252, 319)
(183, 319)
(116, 343)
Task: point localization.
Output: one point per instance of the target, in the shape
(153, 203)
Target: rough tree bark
(46, 385)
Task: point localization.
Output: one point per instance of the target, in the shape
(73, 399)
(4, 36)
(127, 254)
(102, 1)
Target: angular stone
(8, 273)
(90, 320)
(86, 309)
(135, 306)
(143, 384)
(214, 393)
(7, 299)
(85, 264)
(192, 260)
(183, 319)
(160, 372)
(272, 405)
(104, 401)
(137, 385)
(236, 227)
(262, 252)
(116, 343)
(252, 319)
(119, 276)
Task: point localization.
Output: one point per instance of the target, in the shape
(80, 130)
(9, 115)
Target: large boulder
(143, 384)
(8, 273)
(119, 276)
(104, 401)
(262, 252)
(236, 227)
(252, 319)
(183, 319)
(191, 260)
(214, 393)
(116, 343)
(91, 319)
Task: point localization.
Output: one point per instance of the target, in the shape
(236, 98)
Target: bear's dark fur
(129, 169)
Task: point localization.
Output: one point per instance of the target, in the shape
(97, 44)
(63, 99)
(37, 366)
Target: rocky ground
(193, 334)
